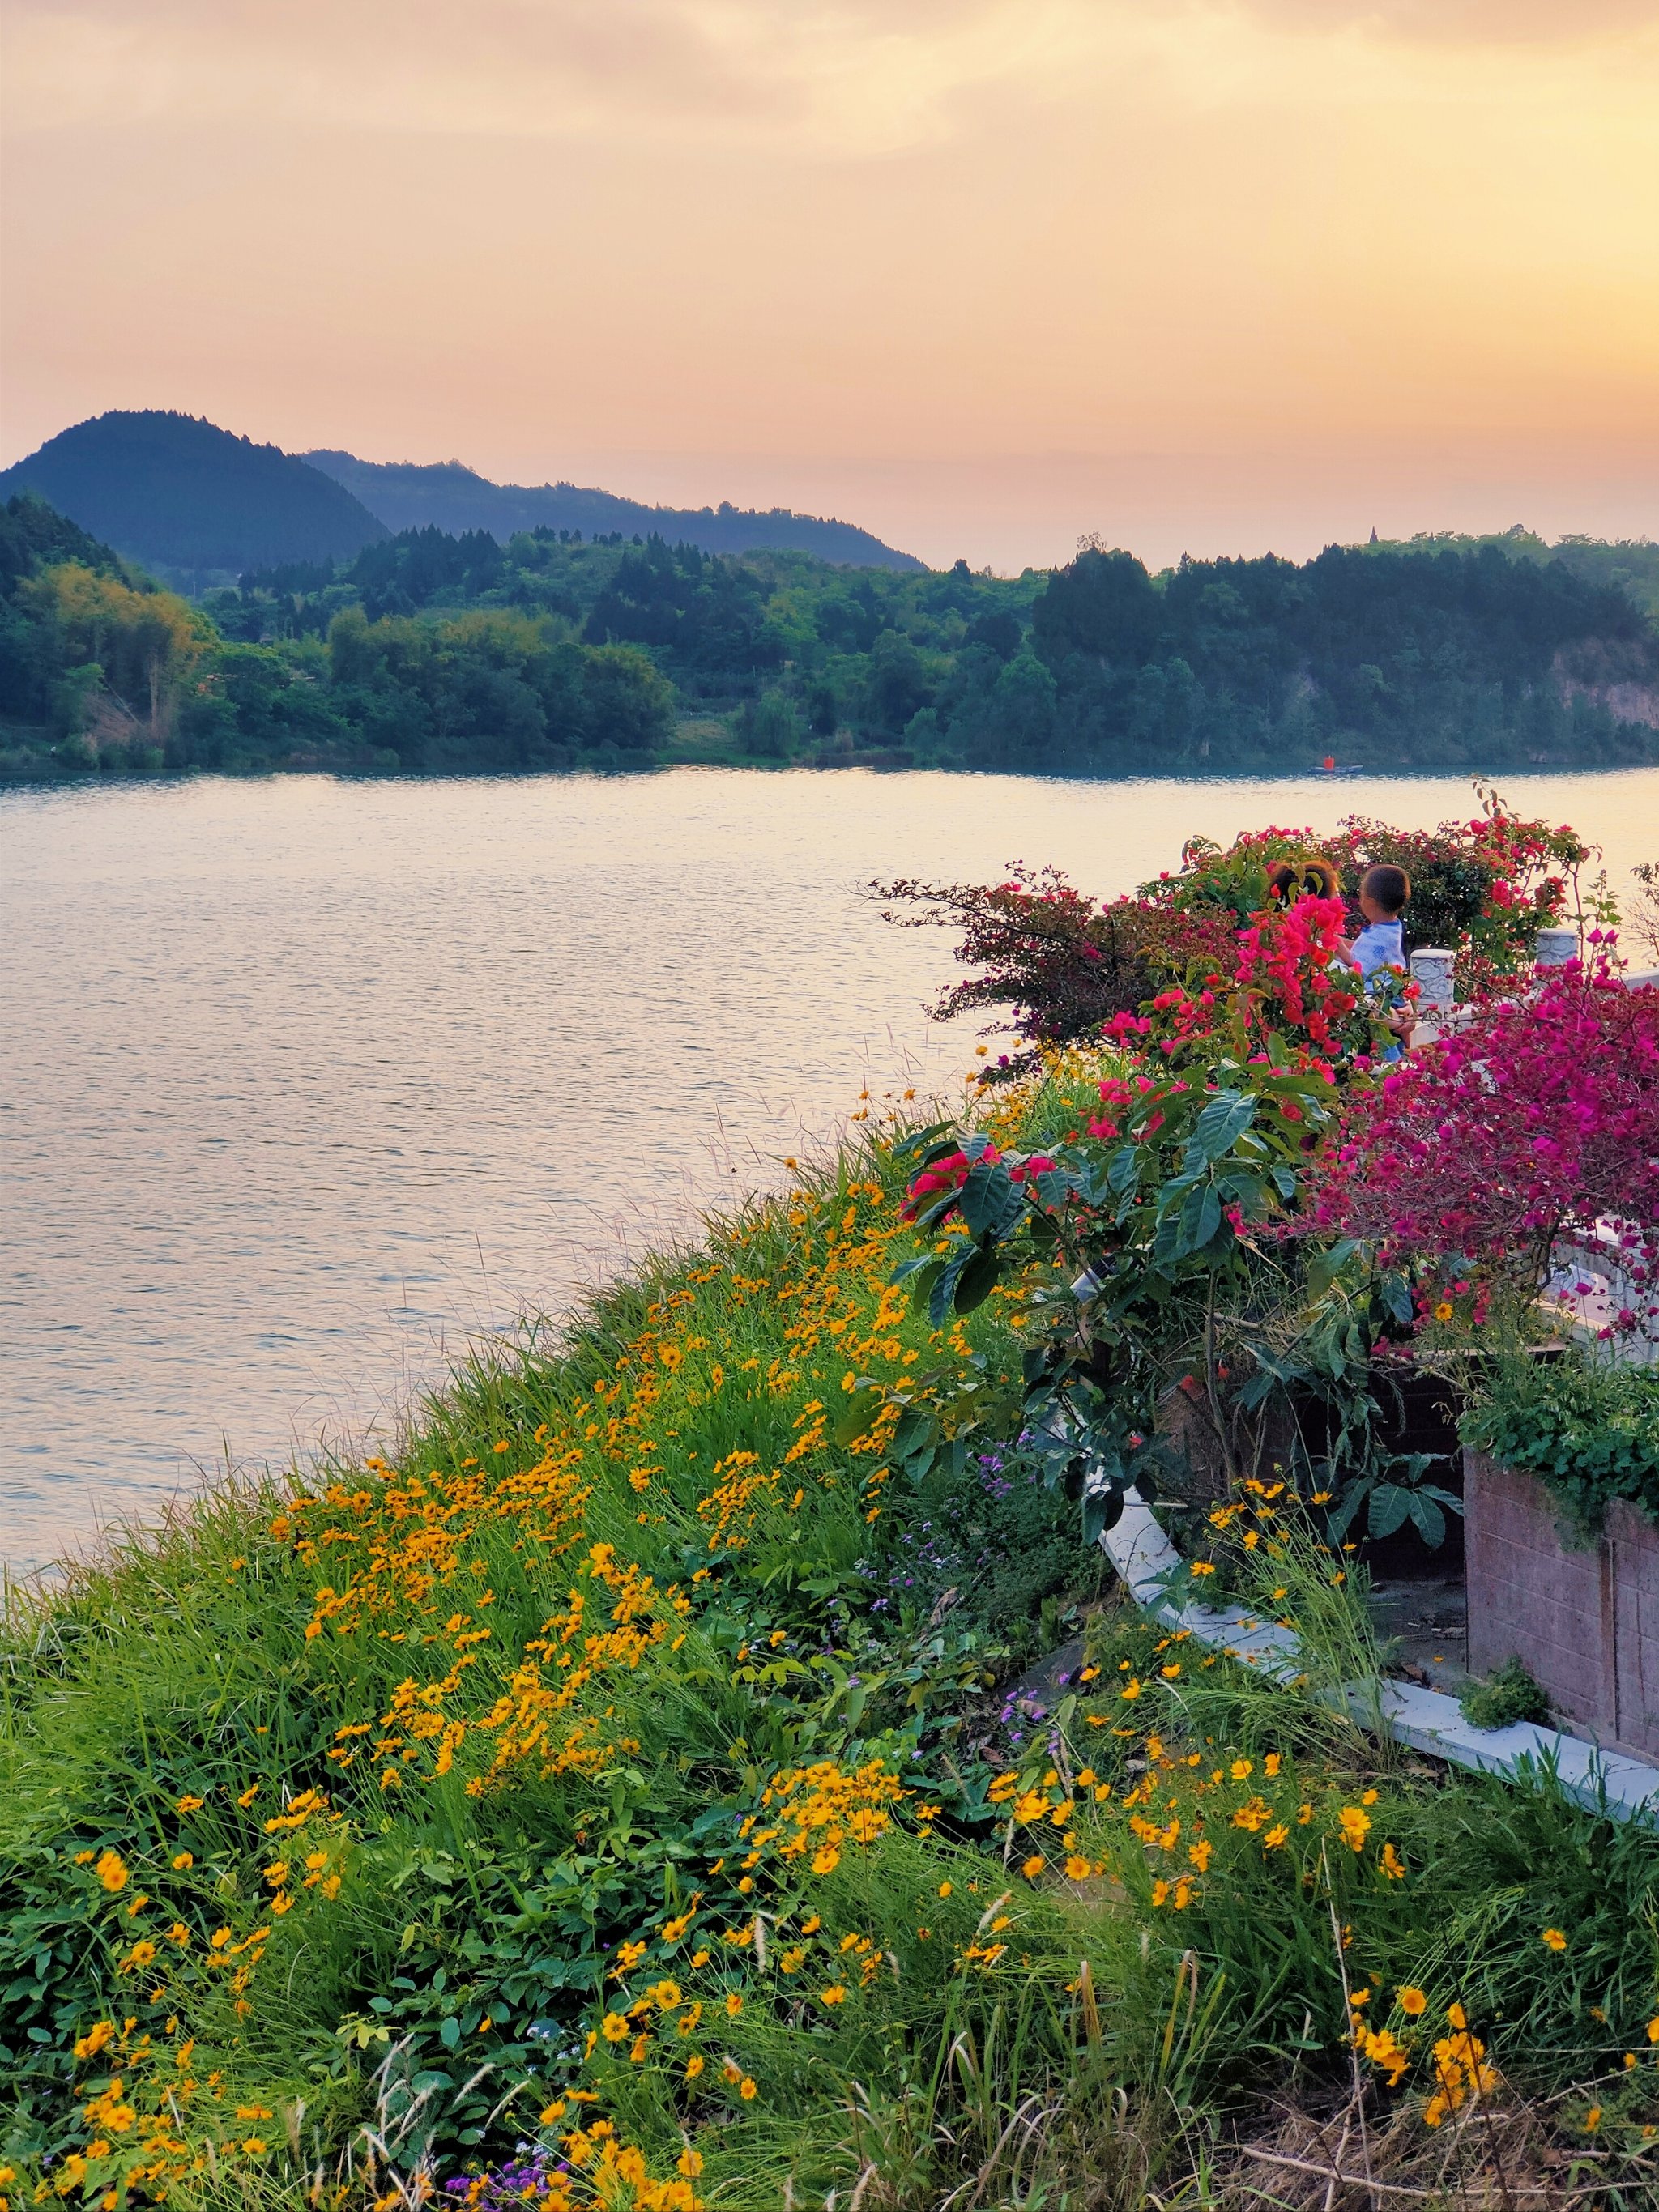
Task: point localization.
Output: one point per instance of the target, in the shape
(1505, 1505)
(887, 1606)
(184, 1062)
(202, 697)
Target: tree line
(432, 654)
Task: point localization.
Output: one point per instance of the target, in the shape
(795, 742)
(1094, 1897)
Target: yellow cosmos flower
(111, 1871)
(1553, 1939)
(1411, 2001)
(1355, 1827)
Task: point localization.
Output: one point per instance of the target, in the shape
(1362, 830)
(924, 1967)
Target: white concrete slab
(1428, 1720)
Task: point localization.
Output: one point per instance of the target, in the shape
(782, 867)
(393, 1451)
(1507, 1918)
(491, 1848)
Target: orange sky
(983, 275)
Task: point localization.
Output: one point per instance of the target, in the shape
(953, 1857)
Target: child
(1383, 891)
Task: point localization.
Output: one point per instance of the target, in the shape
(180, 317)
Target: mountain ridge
(451, 496)
(190, 500)
(199, 505)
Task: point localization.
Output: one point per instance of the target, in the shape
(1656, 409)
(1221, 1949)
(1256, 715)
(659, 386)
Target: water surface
(303, 1084)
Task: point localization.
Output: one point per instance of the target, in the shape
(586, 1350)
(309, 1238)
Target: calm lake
(304, 1085)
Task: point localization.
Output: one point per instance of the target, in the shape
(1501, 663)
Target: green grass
(510, 1698)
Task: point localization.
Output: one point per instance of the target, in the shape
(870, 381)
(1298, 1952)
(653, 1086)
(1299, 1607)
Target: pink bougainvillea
(1285, 981)
(1538, 1118)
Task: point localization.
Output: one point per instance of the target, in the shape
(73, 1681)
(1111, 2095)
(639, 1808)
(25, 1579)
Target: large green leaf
(984, 1194)
(1222, 1122)
(978, 1278)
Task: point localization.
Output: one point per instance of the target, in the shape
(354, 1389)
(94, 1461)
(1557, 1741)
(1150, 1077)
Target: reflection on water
(305, 1083)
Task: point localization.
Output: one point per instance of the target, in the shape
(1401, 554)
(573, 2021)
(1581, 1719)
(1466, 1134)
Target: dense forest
(1633, 563)
(436, 654)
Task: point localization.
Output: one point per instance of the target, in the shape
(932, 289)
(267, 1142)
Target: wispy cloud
(1465, 22)
(858, 77)
(852, 76)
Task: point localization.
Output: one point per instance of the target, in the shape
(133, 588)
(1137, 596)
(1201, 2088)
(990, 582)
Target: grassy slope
(436, 1745)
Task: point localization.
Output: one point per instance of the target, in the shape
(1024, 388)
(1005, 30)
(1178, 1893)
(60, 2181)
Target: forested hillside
(1631, 563)
(448, 495)
(103, 673)
(190, 500)
(431, 653)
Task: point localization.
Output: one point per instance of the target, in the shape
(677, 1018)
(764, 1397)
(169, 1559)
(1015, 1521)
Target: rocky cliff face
(1621, 674)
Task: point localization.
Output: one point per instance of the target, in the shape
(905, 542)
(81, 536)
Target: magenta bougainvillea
(1537, 1119)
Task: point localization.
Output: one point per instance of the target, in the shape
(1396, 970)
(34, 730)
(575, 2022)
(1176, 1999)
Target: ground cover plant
(561, 1786)
(708, 1763)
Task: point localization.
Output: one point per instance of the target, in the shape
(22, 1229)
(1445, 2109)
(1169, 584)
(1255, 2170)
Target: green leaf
(941, 1296)
(984, 1196)
(1389, 1505)
(1222, 1122)
(1201, 1216)
(978, 1278)
(1431, 1521)
(911, 1270)
(1102, 1509)
(1123, 1174)
(1325, 1266)
(920, 1139)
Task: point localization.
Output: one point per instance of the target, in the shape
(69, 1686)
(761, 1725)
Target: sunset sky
(981, 274)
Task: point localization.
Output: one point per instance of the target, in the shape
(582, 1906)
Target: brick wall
(1584, 1621)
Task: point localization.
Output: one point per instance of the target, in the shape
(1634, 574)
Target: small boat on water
(1331, 766)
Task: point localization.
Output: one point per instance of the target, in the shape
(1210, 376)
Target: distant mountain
(450, 497)
(190, 500)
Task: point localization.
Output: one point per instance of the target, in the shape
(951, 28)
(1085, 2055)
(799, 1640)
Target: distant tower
(1373, 533)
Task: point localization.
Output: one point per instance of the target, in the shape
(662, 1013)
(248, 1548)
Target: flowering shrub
(1538, 1118)
(1484, 887)
(1068, 968)
(1144, 1225)
(1288, 988)
(1064, 965)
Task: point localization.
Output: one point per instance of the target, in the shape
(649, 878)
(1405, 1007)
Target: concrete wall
(1584, 1621)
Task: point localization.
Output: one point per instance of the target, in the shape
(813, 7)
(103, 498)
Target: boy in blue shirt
(1383, 891)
